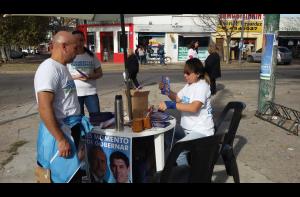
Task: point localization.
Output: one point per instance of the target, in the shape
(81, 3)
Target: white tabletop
(127, 132)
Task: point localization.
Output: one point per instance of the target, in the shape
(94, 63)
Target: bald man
(57, 100)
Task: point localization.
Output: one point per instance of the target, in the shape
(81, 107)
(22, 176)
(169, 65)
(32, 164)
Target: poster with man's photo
(109, 158)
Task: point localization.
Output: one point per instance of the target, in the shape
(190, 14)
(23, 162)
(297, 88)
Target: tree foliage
(224, 27)
(23, 30)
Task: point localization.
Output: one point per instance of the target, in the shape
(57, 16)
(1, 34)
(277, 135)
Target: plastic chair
(202, 154)
(226, 150)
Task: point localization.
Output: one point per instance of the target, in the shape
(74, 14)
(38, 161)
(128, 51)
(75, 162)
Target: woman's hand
(162, 106)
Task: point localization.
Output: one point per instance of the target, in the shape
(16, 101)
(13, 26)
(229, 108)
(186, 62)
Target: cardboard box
(139, 101)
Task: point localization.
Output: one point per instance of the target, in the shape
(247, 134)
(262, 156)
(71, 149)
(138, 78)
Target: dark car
(284, 56)
(16, 54)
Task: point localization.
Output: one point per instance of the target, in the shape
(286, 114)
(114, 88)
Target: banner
(266, 61)
(182, 53)
(109, 158)
(249, 26)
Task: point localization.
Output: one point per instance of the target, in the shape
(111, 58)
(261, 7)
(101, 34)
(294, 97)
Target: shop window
(120, 49)
(91, 41)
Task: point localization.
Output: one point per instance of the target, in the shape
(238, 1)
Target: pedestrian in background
(132, 64)
(161, 54)
(193, 50)
(212, 67)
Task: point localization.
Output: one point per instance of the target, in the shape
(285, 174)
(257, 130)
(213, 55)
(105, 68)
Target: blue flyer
(266, 61)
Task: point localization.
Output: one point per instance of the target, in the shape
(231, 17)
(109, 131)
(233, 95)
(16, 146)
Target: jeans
(179, 134)
(162, 59)
(91, 102)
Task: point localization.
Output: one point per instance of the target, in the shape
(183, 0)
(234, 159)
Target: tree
(223, 25)
(16, 32)
(60, 23)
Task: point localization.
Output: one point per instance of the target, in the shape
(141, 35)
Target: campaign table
(158, 134)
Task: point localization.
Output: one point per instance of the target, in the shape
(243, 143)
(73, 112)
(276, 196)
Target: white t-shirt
(86, 64)
(193, 53)
(201, 121)
(54, 77)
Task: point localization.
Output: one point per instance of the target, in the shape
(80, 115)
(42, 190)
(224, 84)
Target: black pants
(213, 87)
(132, 76)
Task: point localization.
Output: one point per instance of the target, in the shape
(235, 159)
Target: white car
(284, 56)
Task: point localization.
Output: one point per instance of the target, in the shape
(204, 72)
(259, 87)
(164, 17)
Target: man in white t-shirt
(85, 70)
(57, 99)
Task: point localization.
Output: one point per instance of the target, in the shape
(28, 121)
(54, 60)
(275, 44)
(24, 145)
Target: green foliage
(23, 30)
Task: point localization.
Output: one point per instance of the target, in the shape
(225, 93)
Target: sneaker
(140, 87)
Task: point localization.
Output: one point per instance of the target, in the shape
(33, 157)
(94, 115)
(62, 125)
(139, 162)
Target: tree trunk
(3, 54)
(227, 50)
(7, 51)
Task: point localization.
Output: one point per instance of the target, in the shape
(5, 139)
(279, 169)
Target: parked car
(284, 56)
(16, 54)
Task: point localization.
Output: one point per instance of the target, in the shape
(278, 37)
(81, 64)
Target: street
(17, 89)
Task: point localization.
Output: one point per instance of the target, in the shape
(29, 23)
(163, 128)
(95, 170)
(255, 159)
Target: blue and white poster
(266, 61)
(110, 158)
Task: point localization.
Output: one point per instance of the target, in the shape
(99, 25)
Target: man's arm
(96, 74)
(45, 102)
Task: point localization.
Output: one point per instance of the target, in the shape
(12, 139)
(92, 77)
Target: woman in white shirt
(193, 101)
(193, 53)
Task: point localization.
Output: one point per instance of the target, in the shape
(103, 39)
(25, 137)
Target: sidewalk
(265, 152)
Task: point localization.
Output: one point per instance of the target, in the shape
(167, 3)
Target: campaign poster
(109, 158)
(266, 60)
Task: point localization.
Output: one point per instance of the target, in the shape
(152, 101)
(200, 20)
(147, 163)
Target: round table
(158, 134)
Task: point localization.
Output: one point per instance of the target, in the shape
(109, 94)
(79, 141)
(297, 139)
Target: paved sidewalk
(265, 153)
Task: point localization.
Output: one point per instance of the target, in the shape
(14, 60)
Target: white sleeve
(46, 79)
(96, 62)
(200, 93)
(190, 52)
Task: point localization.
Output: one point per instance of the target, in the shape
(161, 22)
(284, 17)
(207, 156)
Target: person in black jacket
(212, 67)
(132, 64)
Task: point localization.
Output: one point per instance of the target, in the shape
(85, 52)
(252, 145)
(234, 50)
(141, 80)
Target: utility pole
(127, 79)
(269, 61)
(242, 39)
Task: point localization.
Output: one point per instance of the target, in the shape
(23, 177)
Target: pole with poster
(269, 60)
(241, 44)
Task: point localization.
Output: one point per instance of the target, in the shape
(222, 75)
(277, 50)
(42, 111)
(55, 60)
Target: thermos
(119, 112)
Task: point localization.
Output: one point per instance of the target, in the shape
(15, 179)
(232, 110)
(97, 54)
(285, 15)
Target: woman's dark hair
(119, 155)
(194, 65)
(76, 32)
(192, 45)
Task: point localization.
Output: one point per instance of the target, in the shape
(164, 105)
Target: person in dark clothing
(132, 64)
(212, 67)
(161, 54)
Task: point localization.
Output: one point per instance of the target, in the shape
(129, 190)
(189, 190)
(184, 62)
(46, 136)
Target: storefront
(252, 37)
(151, 40)
(106, 39)
(185, 40)
(289, 34)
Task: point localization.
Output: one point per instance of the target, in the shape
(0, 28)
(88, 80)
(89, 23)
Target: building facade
(252, 36)
(175, 32)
